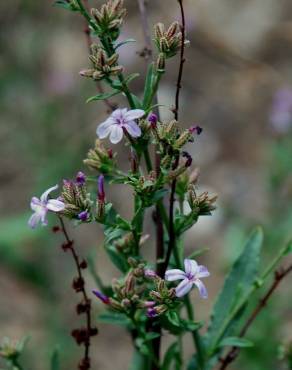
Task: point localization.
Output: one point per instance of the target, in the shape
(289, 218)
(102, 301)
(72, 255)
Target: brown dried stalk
(82, 336)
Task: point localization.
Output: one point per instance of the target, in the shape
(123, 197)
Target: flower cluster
(103, 66)
(11, 349)
(168, 41)
(76, 199)
(109, 18)
(100, 159)
(201, 204)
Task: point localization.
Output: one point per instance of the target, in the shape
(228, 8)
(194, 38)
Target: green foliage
(237, 284)
(55, 360)
(236, 342)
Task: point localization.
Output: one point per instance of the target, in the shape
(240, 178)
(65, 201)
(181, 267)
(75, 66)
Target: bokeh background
(237, 86)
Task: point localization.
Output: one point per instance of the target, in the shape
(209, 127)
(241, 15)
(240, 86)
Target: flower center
(120, 121)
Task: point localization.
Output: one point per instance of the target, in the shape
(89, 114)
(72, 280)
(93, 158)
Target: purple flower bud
(80, 178)
(101, 296)
(152, 118)
(151, 312)
(150, 273)
(101, 193)
(83, 216)
(196, 129)
(189, 158)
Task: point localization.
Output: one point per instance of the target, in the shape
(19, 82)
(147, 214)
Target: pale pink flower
(41, 206)
(191, 276)
(120, 120)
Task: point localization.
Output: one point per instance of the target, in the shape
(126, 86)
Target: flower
(80, 178)
(192, 274)
(42, 206)
(120, 120)
(195, 129)
(83, 216)
(100, 189)
(152, 118)
(101, 296)
(151, 312)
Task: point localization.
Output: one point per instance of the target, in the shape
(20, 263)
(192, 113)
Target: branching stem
(234, 351)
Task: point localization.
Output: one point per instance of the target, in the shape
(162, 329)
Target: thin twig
(69, 245)
(147, 54)
(234, 351)
(111, 106)
(172, 238)
(182, 61)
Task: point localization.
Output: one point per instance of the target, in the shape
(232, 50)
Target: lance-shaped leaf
(239, 281)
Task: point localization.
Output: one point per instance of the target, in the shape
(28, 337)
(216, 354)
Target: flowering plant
(149, 298)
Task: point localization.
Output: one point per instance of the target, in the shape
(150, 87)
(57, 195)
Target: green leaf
(240, 279)
(103, 96)
(124, 43)
(131, 77)
(117, 258)
(148, 84)
(173, 318)
(55, 359)
(137, 102)
(198, 252)
(139, 361)
(65, 5)
(288, 249)
(114, 318)
(170, 356)
(236, 342)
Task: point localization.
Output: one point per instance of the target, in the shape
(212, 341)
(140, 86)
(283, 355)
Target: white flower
(42, 206)
(120, 120)
(192, 274)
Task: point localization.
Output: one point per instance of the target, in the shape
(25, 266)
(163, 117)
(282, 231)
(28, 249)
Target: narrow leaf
(55, 359)
(128, 41)
(236, 342)
(170, 356)
(148, 84)
(103, 96)
(114, 318)
(241, 277)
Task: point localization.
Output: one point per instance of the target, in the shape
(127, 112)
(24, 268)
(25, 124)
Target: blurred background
(237, 86)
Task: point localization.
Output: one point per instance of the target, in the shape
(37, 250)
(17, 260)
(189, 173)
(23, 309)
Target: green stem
(85, 14)
(147, 160)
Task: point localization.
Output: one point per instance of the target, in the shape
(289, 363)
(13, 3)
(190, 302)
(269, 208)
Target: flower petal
(202, 271)
(202, 289)
(34, 220)
(175, 274)
(35, 203)
(104, 128)
(116, 134)
(191, 266)
(43, 217)
(133, 129)
(183, 288)
(55, 205)
(134, 114)
(45, 195)
(119, 114)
